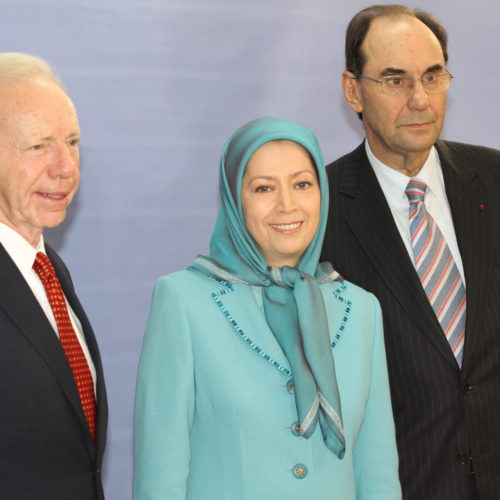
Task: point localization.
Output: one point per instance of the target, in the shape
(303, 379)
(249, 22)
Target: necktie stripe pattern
(436, 269)
(69, 341)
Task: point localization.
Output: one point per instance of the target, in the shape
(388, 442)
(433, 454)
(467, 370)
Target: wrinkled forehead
(36, 99)
(39, 87)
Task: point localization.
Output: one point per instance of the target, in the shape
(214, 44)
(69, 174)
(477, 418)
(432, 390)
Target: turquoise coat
(215, 413)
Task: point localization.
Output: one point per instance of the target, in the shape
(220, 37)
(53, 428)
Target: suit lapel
(379, 237)
(466, 195)
(239, 305)
(90, 340)
(21, 306)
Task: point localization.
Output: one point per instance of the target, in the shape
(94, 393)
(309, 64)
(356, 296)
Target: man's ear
(351, 91)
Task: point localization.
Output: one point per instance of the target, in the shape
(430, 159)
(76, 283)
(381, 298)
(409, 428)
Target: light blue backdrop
(160, 85)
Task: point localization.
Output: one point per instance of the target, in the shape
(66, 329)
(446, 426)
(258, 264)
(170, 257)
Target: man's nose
(418, 98)
(64, 161)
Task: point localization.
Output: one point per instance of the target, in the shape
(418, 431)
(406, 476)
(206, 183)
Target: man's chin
(418, 145)
(53, 220)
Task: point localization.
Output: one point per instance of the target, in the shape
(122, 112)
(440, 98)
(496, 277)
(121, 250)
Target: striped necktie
(69, 341)
(437, 270)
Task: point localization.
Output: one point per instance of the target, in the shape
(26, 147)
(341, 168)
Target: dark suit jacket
(46, 451)
(443, 415)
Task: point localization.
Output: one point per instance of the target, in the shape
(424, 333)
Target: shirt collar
(19, 249)
(394, 183)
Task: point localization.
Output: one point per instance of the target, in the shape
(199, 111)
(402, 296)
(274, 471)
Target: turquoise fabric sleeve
(375, 457)
(161, 455)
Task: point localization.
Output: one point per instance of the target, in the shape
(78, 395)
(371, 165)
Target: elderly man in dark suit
(53, 403)
(416, 220)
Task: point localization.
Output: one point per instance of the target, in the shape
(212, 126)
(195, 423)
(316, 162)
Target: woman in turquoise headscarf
(263, 374)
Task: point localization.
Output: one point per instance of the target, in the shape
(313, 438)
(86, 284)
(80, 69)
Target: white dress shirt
(394, 183)
(23, 255)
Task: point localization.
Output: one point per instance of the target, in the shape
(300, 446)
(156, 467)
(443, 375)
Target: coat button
(299, 471)
(296, 429)
(290, 387)
(463, 459)
(466, 388)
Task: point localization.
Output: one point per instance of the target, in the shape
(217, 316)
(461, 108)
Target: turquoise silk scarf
(293, 303)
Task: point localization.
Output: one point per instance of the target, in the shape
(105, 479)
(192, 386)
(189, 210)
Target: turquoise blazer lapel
(339, 311)
(239, 305)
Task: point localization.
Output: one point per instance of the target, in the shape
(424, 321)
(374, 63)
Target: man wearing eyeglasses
(416, 220)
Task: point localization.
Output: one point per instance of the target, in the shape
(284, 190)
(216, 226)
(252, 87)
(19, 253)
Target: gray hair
(17, 67)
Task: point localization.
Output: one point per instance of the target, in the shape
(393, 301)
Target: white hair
(17, 66)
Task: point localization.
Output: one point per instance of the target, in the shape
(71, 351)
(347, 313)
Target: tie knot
(415, 191)
(43, 267)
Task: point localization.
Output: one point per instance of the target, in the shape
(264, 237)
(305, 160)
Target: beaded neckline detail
(218, 298)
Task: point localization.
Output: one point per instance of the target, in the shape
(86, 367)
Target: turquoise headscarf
(293, 303)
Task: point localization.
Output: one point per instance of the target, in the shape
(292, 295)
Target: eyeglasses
(433, 83)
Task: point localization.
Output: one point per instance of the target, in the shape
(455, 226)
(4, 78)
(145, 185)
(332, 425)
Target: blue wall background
(159, 86)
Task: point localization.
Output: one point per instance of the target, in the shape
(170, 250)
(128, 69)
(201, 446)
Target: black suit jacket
(447, 419)
(46, 451)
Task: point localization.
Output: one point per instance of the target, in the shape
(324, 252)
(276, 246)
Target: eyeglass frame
(357, 76)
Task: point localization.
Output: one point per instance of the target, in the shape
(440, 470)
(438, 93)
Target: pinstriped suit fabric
(443, 415)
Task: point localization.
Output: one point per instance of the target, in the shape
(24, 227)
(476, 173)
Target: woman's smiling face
(280, 197)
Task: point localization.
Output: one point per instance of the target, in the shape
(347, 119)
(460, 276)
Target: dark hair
(360, 24)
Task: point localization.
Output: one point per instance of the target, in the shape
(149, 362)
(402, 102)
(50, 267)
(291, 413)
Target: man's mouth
(53, 196)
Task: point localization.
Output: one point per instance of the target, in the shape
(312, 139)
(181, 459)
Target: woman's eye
(262, 189)
(303, 185)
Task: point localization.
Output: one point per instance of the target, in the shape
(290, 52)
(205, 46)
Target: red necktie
(70, 344)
